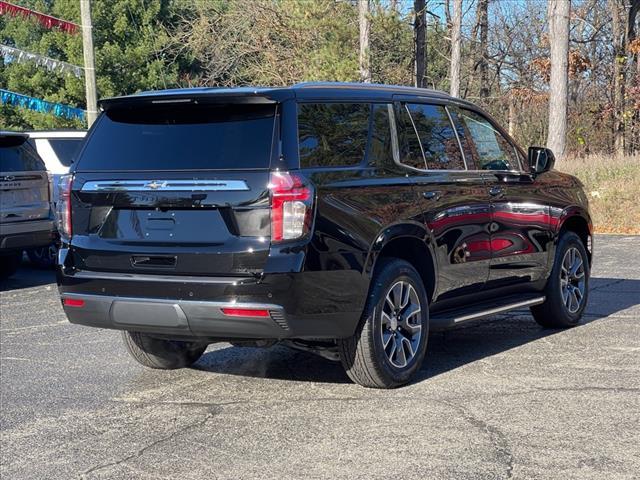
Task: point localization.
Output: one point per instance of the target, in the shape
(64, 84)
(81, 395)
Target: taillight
(291, 203)
(63, 208)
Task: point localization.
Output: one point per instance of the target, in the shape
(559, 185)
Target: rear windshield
(16, 155)
(66, 149)
(193, 137)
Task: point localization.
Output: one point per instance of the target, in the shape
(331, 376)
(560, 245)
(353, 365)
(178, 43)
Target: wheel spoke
(386, 338)
(411, 310)
(406, 291)
(574, 300)
(392, 349)
(400, 353)
(406, 342)
(386, 319)
(411, 328)
(576, 266)
(397, 295)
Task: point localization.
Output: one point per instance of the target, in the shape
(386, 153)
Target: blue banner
(11, 98)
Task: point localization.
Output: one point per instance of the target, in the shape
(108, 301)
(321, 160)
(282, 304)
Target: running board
(450, 318)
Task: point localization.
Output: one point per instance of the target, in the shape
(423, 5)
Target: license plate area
(172, 226)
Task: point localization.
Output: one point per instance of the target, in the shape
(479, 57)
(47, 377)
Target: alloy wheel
(401, 326)
(572, 280)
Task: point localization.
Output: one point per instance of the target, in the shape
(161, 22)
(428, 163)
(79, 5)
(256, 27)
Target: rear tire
(390, 342)
(567, 290)
(162, 354)
(9, 264)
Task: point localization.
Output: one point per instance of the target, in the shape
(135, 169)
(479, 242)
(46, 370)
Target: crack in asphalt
(497, 438)
(212, 412)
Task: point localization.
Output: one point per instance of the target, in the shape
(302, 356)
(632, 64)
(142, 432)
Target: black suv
(343, 219)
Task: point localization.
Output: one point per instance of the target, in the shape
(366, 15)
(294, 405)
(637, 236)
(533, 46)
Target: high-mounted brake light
(291, 202)
(63, 208)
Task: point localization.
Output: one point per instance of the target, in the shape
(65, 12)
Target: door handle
(433, 195)
(496, 192)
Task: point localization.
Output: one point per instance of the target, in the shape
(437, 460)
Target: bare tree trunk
(456, 27)
(558, 13)
(633, 145)
(365, 28)
(512, 114)
(483, 17)
(619, 72)
(419, 26)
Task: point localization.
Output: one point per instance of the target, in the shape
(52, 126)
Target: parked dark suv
(348, 220)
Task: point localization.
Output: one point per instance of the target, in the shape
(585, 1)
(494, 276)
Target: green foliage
(129, 40)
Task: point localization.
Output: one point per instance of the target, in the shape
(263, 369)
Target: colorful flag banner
(46, 21)
(11, 98)
(11, 54)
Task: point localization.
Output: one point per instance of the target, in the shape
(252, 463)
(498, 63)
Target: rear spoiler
(199, 98)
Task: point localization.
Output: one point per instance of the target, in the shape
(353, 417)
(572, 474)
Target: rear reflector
(73, 302)
(245, 312)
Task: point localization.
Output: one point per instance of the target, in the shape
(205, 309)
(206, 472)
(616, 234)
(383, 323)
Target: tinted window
(66, 149)
(410, 149)
(488, 148)
(16, 155)
(181, 137)
(380, 148)
(332, 134)
(437, 137)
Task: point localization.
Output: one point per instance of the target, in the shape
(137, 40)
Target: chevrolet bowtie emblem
(155, 185)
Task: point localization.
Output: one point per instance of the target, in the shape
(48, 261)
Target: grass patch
(613, 187)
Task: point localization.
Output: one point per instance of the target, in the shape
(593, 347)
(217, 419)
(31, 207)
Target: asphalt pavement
(503, 398)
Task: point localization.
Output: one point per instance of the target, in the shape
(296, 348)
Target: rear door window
(486, 146)
(333, 134)
(437, 137)
(16, 155)
(189, 137)
(410, 149)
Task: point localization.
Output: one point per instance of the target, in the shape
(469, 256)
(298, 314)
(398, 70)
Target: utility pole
(89, 63)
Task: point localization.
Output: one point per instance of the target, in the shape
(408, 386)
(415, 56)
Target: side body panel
(521, 230)
(456, 211)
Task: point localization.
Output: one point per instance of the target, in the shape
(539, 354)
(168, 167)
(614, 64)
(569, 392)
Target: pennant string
(12, 54)
(24, 101)
(45, 20)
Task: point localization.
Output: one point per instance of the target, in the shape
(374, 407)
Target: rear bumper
(21, 235)
(299, 304)
(176, 317)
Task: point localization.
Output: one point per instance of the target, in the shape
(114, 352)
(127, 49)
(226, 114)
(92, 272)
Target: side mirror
(541, 159)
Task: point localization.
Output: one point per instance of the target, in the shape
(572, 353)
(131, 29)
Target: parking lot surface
(499, 399)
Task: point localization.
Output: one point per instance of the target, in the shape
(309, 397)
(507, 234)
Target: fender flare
(395, 231)
(570, 212)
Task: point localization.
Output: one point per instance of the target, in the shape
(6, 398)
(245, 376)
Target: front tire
(567, 289)
(162, 354)
(390, 342)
